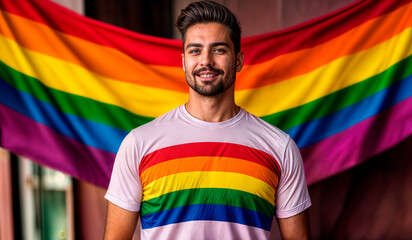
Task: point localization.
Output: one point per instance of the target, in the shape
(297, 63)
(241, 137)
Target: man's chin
(205, 90)
(210, 91)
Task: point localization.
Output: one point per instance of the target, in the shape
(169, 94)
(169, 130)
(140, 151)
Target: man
(208, 169)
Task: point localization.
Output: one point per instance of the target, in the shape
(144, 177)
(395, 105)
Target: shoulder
(270, 139)
(162, 121)
(266, 130)
(158, 133)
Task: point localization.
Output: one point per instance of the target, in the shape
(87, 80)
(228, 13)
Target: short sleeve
(292, 192)
(125, 188)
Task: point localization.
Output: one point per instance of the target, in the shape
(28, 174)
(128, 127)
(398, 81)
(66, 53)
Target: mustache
(211, 69)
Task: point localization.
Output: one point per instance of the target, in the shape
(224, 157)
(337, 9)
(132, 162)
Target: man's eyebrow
(215, 44)
(193, 45)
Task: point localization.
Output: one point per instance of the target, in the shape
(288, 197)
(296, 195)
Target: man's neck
(212, 109)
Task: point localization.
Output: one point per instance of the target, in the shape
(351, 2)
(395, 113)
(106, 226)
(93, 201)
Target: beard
(212, 88)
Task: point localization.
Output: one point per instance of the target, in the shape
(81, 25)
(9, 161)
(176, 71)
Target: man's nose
(206, 59)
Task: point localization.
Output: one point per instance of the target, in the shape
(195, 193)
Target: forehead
(207, 33)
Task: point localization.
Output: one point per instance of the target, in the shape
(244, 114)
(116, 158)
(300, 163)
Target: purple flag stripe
(367, 138)
(34, 140)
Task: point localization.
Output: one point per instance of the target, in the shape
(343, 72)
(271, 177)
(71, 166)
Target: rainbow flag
(71, 88)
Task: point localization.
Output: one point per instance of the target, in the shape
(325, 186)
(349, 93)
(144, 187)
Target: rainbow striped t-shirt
(191, 179)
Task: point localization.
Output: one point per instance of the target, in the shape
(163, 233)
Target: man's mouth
(208, 74)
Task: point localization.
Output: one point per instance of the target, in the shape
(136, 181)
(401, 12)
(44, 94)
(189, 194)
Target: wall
(6, 204)
(257, 17)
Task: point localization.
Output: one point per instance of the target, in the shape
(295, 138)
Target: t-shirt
(192, 179)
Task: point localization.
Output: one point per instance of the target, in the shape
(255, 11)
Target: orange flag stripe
(282, 68)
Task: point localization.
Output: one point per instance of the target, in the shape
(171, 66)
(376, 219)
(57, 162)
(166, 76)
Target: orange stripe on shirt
(218, 164)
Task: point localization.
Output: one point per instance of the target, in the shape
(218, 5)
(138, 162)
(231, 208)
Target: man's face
(209, 59)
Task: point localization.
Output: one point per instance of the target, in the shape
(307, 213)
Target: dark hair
(206, 12)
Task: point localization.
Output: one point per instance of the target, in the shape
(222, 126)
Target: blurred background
(369, 201)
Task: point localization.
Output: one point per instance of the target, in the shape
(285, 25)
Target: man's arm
(120, 223)
(295, 227)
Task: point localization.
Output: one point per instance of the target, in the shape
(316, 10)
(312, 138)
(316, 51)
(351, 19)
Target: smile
(207, 75)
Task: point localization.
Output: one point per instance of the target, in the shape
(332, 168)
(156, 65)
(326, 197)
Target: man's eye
(220, 50)
(194, 51)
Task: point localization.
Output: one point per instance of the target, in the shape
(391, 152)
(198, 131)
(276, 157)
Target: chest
(208, 173)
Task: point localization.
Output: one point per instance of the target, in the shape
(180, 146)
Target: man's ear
(239, 61)
(183, 62)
